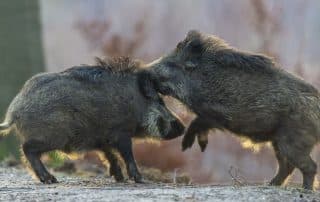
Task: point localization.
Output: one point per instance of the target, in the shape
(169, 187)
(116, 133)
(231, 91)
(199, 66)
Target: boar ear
(146, 85)
(192, 34)
(195, 46)
(194, 49)
(190, 65)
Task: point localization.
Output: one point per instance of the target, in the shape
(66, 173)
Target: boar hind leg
(197, 128)
(115, 168)
(308, 168)
(284, 170)
(296, 148)
(124, 147)
(32, 150)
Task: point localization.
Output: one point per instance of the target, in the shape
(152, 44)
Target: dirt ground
(18, 185)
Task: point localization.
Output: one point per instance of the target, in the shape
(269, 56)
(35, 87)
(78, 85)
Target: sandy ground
(18, 185)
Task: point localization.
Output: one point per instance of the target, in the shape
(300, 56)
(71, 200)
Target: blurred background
(38, 36)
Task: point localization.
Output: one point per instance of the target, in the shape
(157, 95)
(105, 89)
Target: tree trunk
(20, 55)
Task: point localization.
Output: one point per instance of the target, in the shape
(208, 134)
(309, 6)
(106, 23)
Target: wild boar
(245, 93)
(83, 108)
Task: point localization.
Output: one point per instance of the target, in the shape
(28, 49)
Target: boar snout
(177, 129)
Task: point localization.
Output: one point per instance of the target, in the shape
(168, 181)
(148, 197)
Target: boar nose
(177, 130)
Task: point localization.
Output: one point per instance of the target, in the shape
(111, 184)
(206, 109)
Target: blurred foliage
(115, 45)
(55, 159)
(20, 58)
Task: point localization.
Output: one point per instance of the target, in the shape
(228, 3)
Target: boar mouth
(164, 90)
(177, 130)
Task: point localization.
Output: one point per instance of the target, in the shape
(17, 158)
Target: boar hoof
(49, 179)
(187, 142)
(203, 147)
(203, 141)
(138, 179)
(117, 176)
(274, 183)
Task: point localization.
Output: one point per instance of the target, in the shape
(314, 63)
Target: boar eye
(173, 65)
(190, 65)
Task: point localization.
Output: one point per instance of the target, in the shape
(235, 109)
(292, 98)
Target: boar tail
(5, 128)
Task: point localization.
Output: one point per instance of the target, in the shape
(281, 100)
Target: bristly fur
(216, 50)
(246, 61)
(94, 73)
(231, 57)
(119, 64)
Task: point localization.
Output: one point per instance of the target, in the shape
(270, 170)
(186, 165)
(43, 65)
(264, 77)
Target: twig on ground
(175, 175)
(238, 179)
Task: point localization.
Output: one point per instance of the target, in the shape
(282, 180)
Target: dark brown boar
(245, 93)
(85, 108)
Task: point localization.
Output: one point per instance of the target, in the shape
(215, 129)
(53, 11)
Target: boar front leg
(124, 147)
(203, 140)
(199, 128)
